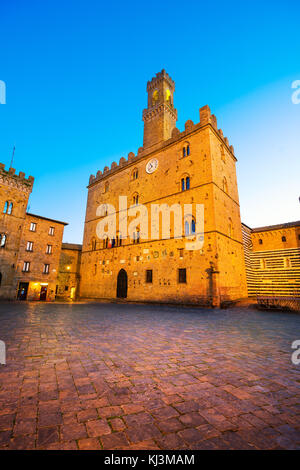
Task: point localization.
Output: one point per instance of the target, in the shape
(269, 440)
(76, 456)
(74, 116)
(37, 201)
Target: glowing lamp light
(68, 268)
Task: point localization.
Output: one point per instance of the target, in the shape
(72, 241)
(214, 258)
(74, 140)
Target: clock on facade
(152, 165)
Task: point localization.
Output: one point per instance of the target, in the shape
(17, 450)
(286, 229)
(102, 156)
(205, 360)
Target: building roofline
(46, 218)
(71, 246)
(276, 227)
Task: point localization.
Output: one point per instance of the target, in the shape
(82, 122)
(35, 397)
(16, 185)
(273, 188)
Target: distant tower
(160, 116)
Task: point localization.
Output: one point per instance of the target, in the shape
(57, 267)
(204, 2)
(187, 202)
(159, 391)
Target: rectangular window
(49, 249)
(149, 276)
(182, 276)
(32, 227)
(180, 252)
(66, 288)
(51, 231)
(29, 246)
(26, 267)
(46, 269)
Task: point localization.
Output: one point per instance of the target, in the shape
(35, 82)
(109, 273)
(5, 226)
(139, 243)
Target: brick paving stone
(191, 436)
(6, 422)
(192, 419)
(114, 441)
(142, 432)
(23, 442)
(91, 443)
(117, 424)
(47, 436)
(170, 425)
(170, 442)
(164, 413)
(132, 408)
(87, 415)
(50, 419)
(25, 426)
(86, 376)
(110, 411)
(98, 427)
(69, 431)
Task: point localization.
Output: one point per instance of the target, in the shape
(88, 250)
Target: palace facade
(196, 166)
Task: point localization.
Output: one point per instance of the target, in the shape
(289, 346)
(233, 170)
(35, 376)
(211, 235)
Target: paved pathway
(101, 376)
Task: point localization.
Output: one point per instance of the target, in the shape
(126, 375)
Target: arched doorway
(122, 284)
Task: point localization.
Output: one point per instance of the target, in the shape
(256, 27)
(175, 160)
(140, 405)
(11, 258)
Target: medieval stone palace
(193, 166)
(174, 168)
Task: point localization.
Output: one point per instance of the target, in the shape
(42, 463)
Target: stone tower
(160, 116)
(14, 194)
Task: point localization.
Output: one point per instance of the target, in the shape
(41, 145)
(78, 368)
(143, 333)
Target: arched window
(189, 226)
(283, 238)
(225, 185)
(5, 207)
(106, 186)
(185, 183)
(105, 242)
(155, 97)
(2, 240)
(186, 150)
(135, 199)
(260, 241)
(135, 174)
(10, 208)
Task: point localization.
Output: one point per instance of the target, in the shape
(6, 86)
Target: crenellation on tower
(9, 178)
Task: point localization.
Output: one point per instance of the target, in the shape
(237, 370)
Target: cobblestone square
(124, 376)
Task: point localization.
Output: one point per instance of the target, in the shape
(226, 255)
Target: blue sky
(76, 76)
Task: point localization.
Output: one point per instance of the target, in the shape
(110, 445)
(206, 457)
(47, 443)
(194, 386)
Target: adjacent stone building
(272, 256)
(196, 166)
(30, 245)
(68, 274)
(38, 259)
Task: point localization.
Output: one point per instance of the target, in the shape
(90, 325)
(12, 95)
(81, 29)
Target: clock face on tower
(152, 165)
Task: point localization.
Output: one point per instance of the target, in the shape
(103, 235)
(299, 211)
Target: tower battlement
(10, 178)
(159, 77)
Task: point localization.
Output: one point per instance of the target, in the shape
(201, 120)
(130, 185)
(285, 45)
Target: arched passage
(122, 284)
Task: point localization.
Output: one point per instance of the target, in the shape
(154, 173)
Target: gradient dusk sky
(76, 75)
